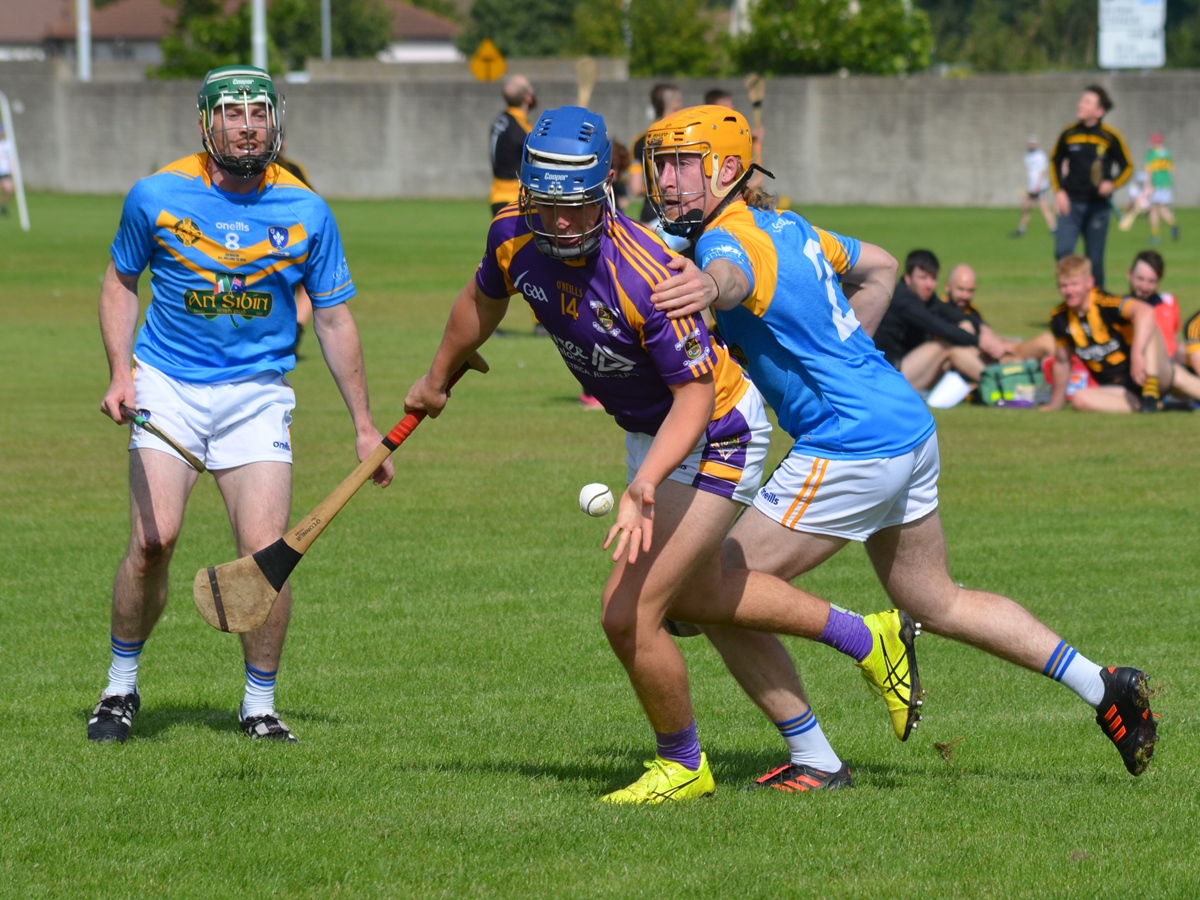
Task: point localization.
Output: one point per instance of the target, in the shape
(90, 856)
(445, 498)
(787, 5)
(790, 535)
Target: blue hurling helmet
(565, 167)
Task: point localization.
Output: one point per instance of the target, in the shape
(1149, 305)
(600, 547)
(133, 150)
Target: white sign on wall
(1132, 34)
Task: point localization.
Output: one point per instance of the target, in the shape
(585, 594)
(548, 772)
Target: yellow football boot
(890, 669)
(666, 780)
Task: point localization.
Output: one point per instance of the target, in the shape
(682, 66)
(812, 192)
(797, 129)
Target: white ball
(596, 500)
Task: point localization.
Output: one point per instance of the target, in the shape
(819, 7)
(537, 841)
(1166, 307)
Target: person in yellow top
(507, 140)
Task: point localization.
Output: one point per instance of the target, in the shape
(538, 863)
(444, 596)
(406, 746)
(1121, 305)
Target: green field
(458, 708)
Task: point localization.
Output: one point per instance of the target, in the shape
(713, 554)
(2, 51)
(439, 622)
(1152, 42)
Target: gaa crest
(187, 232)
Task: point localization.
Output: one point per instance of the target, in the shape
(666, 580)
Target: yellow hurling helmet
(713, 133)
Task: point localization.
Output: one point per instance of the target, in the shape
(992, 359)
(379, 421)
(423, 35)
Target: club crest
(187, 232)
(278, 236)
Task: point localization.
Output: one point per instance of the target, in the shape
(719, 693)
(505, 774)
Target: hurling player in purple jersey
(696, 435)
(799, 303)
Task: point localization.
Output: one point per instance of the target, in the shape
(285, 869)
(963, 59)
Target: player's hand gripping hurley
(237, 596)
(142, 422)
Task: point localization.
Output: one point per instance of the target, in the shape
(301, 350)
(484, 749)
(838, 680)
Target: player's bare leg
(1185, 382)
(159, 485)
(258, 499)
(757, 660)
(1107, 398)
(910, 561)
(968, 362)
(689, 526)
(923, 365)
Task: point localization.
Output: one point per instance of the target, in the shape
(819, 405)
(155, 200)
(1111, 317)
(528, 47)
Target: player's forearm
(473, 319)
(869, 285)
(118, 319)
(1060, 374)
(342, 349)
(730, 283)
(689, 416)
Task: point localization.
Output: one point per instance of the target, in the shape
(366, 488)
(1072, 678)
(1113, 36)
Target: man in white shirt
(1037, 187)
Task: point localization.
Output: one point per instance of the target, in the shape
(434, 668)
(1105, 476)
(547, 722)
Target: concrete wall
(924, 141)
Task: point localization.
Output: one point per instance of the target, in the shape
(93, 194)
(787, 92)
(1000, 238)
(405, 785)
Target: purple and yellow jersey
(832, 390)
(224, 269)
(622, 351)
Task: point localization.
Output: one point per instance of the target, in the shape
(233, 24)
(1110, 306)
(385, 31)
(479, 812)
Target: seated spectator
(1187, 364)
(959, 307)
(1144, 276)
(922, 341)
(1117, 339)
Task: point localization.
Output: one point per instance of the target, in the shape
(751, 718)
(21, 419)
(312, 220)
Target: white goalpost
(9, 142)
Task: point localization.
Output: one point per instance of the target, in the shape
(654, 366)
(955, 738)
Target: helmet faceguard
(710, 134)
(565, 187)
(247, 138)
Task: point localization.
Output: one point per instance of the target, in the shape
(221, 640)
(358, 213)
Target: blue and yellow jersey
(1101, 338)
(622, 351)
(224, 268)
(832, 390)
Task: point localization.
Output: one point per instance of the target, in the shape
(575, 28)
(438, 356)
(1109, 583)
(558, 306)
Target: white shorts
(226, 425)
(851, 498)
(1162, 196)
(730, 457)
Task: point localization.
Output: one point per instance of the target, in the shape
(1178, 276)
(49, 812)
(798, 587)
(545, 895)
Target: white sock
(1077, 672)
(122, 673)
(259, 699)
(807, 744)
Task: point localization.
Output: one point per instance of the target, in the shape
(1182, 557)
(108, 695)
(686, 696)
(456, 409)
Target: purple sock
(680, 746)
(848, 633)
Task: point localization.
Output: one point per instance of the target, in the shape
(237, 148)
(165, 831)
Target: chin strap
(694, 221)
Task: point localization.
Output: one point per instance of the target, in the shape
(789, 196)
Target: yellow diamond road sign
(488, 62)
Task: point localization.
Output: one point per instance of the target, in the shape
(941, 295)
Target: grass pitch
(458, 708)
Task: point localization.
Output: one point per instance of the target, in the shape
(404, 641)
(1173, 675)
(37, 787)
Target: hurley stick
(237, 596)
(585, 74)
(145, 424)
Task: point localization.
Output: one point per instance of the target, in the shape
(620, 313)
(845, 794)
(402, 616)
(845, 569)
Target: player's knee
(149, 552)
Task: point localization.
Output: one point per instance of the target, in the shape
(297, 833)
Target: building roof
(36, 21)
(415, 24)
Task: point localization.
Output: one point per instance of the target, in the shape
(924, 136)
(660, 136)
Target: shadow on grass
(154, 720)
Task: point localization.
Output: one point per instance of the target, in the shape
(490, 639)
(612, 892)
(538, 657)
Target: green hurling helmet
(246, 139)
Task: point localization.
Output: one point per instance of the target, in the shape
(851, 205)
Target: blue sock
(680, 746)
(807, 743)
(1077, 672)
(259, 699)
(848, 633)
(122, 673)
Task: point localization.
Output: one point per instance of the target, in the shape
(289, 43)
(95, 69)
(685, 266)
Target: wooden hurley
(585, 74)
(237, 596)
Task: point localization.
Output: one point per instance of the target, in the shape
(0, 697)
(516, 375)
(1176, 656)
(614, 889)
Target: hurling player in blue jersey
(798, 304)
(228, 237)
(696, 437)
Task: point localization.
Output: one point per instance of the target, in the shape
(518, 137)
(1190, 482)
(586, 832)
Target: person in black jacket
(919, 339)
(1090, 161)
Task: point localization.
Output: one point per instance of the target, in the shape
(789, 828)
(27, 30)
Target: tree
(361, 28)
(204, 37)
(880, 37)
(676, 38)
(525, 28)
